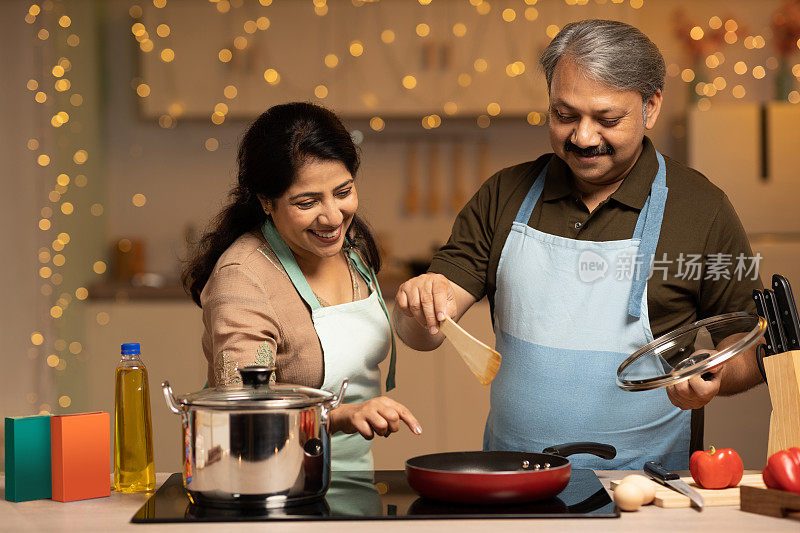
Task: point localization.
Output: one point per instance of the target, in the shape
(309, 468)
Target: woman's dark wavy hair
(272, 151)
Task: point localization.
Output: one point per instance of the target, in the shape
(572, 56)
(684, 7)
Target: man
(547, 241)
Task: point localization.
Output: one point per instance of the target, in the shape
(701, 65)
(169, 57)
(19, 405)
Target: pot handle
(336, 401)
(172, 403)
(333, 403)
(606, 451)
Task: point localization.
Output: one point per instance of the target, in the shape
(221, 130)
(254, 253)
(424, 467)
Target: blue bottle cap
(131, 348)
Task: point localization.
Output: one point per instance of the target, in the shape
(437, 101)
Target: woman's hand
(379, 416)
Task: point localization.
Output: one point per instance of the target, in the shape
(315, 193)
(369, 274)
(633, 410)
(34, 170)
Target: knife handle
(761, 309)
(774, 317)
(659, 472)
(787, 310)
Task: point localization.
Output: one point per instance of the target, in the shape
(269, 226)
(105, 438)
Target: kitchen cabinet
(751, 152)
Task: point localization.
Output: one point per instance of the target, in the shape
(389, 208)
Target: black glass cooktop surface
(382, 495)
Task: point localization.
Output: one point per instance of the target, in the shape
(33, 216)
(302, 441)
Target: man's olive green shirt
(703, 265)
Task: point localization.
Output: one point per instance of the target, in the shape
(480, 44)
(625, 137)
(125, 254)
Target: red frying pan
(498, 477)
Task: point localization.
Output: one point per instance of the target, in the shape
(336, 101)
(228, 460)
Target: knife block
(783, 380)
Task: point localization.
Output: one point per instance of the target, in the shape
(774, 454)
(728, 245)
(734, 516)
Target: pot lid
(690, 350)
(258, 393)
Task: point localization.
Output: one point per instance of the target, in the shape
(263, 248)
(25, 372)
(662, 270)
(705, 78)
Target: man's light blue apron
(355, 337)
(564, 321)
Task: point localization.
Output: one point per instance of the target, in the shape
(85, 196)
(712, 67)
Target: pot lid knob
(256, 376)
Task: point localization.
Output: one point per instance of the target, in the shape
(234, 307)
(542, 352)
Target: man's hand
(379, 416)
(428, 299)
(695, 392)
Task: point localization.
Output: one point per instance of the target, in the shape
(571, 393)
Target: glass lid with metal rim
(258, 393)
(690, 350)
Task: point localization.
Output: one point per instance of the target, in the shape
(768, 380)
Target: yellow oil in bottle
(134, 470)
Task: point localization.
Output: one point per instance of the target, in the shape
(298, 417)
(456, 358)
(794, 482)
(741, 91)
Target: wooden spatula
(483, 361)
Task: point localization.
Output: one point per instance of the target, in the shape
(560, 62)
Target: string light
(211, 144)
(377, 123)
(331, 60)
(535, 119)
(271, 76)
(387, 36)
(356, 48)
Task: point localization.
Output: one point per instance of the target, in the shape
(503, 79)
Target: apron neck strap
(285, 256)
(526, 209)
(648, 230)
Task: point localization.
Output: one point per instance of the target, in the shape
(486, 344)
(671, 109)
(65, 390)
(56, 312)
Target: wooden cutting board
(670, 499)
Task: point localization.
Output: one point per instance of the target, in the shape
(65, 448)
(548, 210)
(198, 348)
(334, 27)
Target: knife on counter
(787, 312)
(672, 480)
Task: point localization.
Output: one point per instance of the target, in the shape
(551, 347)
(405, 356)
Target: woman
(286, 276)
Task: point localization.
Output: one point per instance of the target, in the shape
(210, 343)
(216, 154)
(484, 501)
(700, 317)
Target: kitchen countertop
(114, 514)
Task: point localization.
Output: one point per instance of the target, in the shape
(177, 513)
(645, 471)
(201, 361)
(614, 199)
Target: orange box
(80, 453)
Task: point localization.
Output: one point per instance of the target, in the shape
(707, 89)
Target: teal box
(28, 467)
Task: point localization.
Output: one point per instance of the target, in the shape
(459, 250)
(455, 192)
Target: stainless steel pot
(262, 445)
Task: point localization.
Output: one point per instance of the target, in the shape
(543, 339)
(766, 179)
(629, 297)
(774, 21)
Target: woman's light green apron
(355, 337)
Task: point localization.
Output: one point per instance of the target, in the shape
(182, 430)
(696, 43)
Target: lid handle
(256, 376)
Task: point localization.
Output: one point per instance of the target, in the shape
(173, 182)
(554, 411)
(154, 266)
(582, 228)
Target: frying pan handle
(606, 451)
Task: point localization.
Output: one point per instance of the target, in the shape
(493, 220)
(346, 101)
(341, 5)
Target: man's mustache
(591, 151)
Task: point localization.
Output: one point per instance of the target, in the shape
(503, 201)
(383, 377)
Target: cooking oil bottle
(134, 470)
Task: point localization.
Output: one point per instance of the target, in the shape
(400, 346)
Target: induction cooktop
(381, 495)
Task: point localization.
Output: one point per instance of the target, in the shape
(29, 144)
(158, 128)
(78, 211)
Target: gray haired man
(606, 200)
